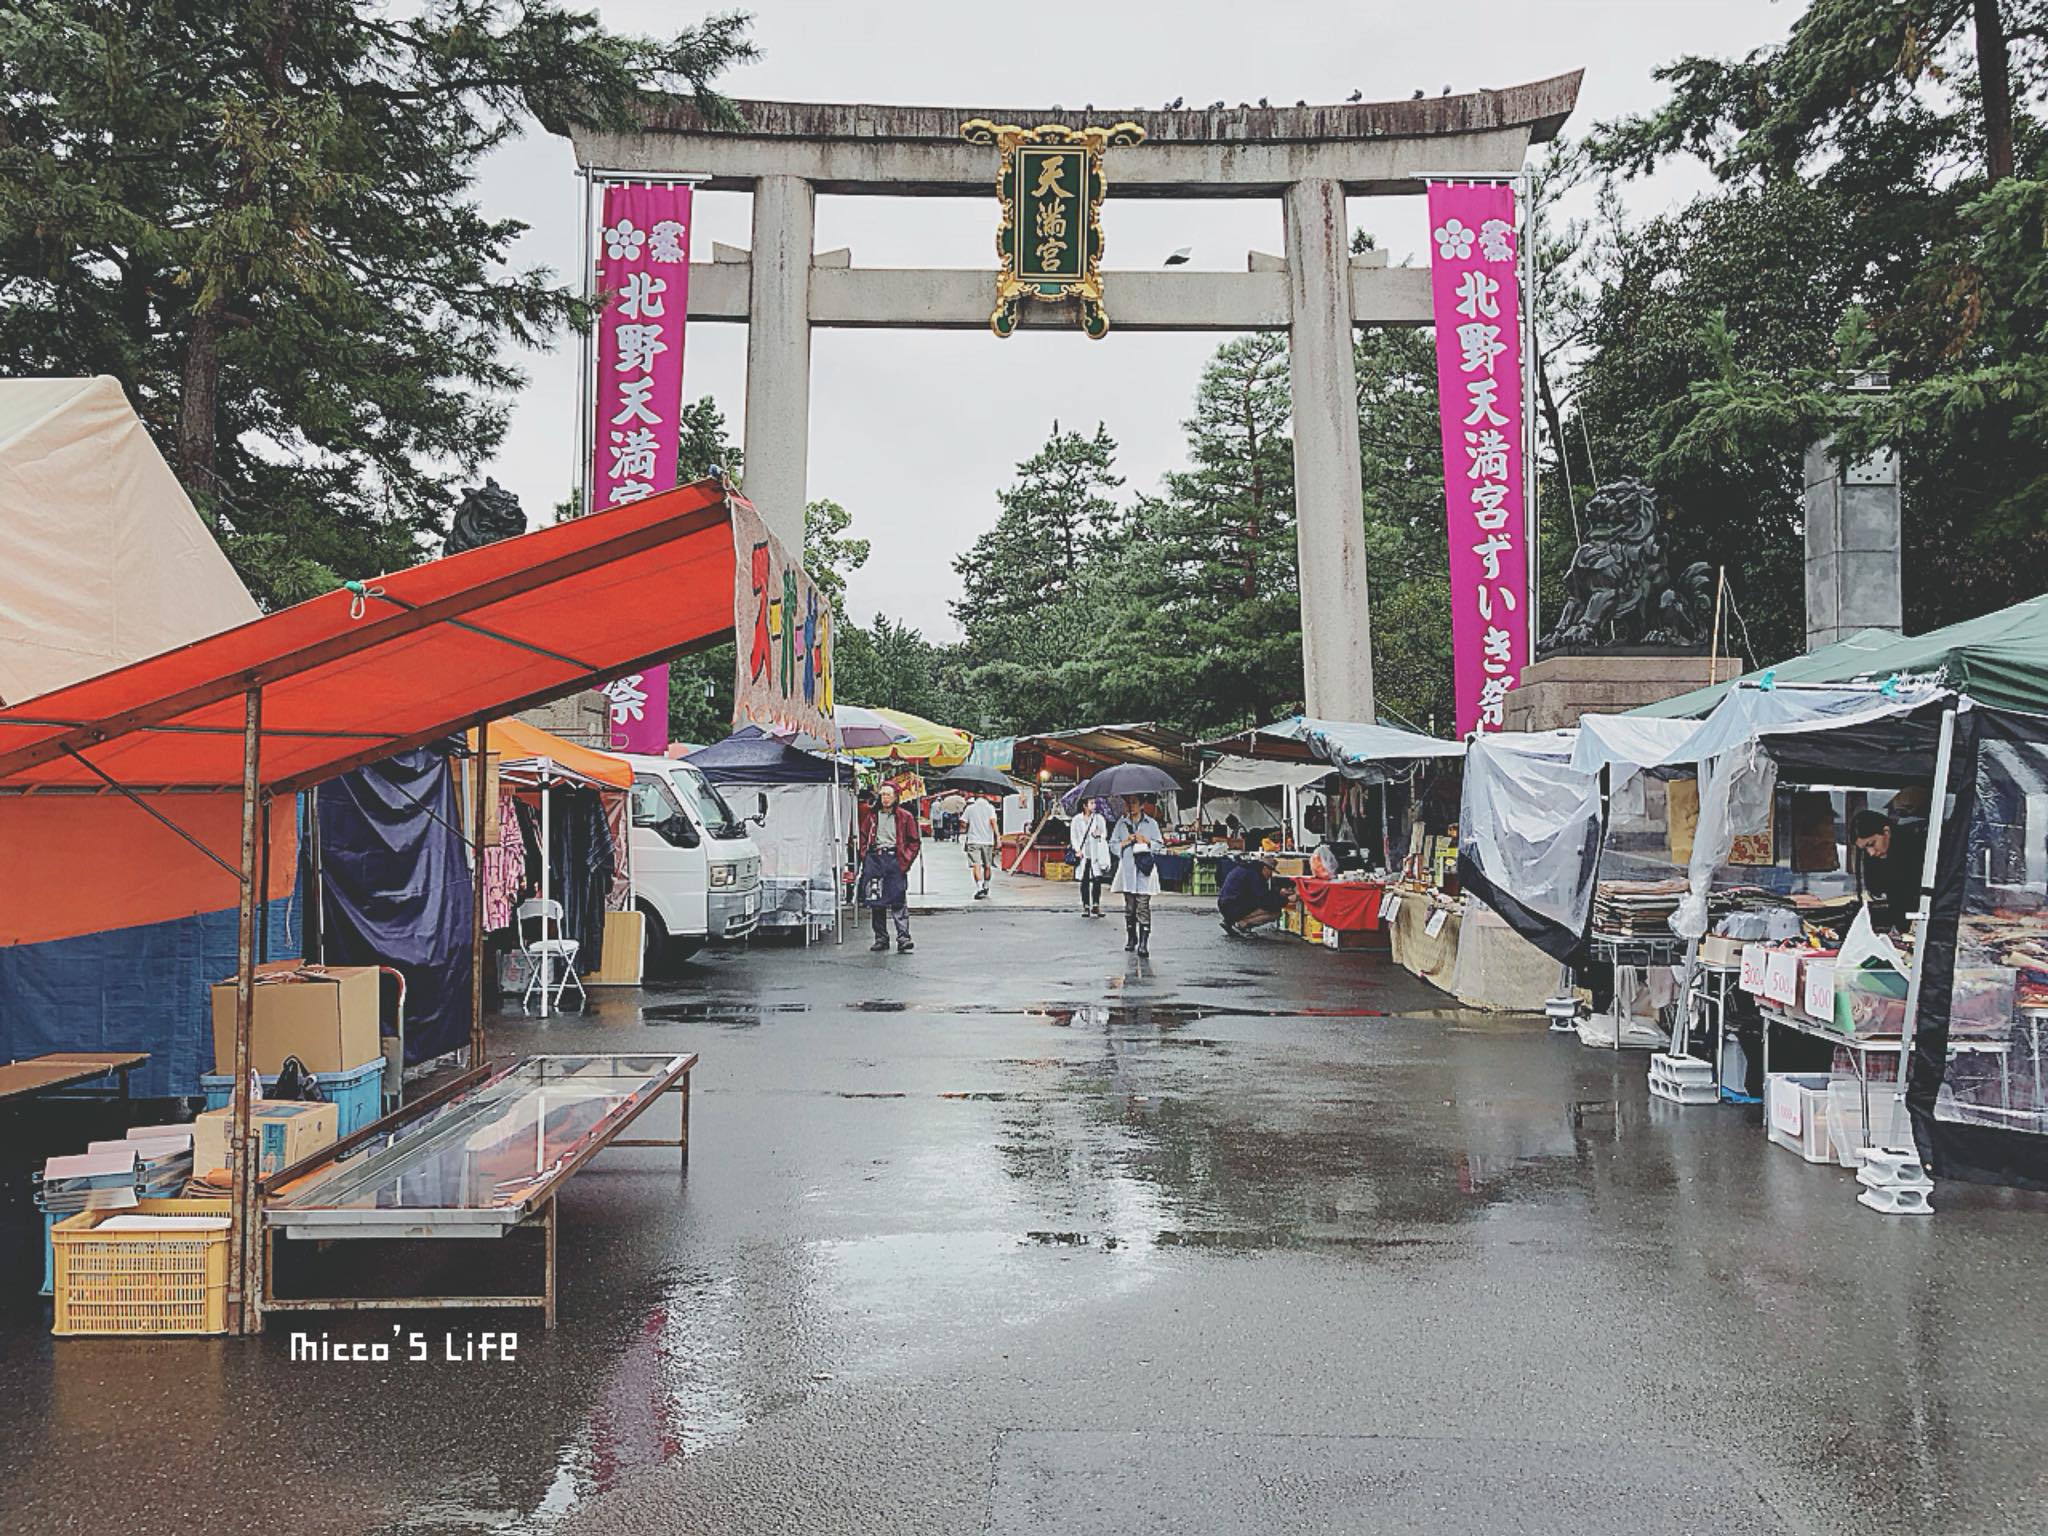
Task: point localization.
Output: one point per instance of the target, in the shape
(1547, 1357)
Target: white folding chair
(544, 952)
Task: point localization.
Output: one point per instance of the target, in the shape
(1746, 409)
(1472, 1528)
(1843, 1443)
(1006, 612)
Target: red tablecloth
(1352, 906)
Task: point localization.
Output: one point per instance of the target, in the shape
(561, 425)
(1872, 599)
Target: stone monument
(1629, 631)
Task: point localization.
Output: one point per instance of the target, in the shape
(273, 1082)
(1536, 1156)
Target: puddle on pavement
(730, 1015)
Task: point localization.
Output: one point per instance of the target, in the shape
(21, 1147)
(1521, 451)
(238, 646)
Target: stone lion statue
(1618, 589)
(486, 514)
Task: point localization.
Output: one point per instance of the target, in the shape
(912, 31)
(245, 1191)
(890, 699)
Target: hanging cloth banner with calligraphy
(782, 633)
(643, 277)
(1474, 282)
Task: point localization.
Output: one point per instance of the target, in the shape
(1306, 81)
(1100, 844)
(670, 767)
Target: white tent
(103, 560)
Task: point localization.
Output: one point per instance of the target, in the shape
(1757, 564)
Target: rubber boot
(1130, 933)
(1145, 940)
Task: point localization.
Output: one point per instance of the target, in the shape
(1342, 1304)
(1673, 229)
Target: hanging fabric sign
(643, 278)
(782, 632)
(1477, 306)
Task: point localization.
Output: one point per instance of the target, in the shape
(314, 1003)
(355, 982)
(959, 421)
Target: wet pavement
(1013, 1234)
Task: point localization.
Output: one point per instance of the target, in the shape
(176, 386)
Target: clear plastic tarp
(1529, 833)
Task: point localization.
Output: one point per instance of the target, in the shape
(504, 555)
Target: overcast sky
(914, 431)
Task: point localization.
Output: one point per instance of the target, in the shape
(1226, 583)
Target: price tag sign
(1436, 922)
(1390, 904)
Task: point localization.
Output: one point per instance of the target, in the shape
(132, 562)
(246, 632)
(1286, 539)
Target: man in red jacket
(888, 847)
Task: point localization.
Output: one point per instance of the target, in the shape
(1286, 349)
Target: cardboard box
(1719, 949)
(285, 1132)
(326, 1018)
(1781, 976)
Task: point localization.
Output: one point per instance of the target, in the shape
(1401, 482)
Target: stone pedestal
(1554, 693)
(584, 718)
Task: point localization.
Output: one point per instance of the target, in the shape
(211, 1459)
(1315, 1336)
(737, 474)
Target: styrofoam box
(1752, 978)
(1820, 989)
(1781, 976)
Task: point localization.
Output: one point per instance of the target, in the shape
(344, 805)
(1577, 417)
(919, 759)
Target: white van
(696, 872)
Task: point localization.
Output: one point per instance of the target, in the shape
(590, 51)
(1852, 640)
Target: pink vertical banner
(643, 279)
(1475, 284)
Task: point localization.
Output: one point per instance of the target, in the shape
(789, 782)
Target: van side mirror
(760, 816)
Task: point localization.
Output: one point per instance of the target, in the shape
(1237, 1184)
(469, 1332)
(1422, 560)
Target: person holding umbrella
(888, 847)
(1137, 841)
(1088, 836)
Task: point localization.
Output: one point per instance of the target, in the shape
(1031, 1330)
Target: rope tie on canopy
(359, 594)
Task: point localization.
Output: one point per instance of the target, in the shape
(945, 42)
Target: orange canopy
(345, 679)
(518, 743)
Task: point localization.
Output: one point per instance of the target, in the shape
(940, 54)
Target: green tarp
(2000, 659)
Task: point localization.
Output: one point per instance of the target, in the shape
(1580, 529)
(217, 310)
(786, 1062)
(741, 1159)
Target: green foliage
(259, 217)
(892, 666)
(1883, 167)
(830, 553)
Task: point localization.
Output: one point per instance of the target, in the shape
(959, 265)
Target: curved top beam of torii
(1372, 147)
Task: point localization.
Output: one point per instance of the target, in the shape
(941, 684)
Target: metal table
(1640, 951)
(481, 1158)
(1861, 1050)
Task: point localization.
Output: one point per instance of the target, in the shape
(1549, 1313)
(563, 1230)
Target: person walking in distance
(1137, 841)
(888, 847)
(978, 822)
(1088, 837)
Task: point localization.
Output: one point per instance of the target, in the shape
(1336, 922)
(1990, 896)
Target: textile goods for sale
(1636, 909)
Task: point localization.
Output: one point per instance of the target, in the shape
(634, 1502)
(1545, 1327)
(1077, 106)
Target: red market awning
(91, 774)
(356, 675)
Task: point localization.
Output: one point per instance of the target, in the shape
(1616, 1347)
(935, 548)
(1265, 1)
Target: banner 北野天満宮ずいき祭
(1476, 291)
(643, 279)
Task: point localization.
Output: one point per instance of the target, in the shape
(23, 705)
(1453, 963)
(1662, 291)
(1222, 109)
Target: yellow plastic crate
(1055, 870)
(141, 1282)
(1311, 929)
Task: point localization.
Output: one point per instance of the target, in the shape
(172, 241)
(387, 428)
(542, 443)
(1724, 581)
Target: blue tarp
(146, 988)
(399, 889)
(751, 756)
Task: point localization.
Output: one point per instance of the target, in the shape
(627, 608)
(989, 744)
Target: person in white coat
(1137, 843)
(1088, 837)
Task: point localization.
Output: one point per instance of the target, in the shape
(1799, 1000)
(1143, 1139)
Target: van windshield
(706, 805)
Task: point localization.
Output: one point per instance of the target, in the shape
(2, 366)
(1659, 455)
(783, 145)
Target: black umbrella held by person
(1123, 781)
(975, 779)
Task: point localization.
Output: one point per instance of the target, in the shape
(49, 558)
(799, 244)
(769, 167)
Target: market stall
(809, 806)
(1057, 763)
(295, 698)
(564, 833)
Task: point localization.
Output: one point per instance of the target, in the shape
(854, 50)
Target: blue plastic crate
(358, 1094)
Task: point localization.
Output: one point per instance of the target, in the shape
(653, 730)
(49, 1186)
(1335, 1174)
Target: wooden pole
(245, 1283)
(479, 767)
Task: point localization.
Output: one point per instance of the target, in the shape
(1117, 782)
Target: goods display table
(482, 1158)
(1350, 906)
(1426, 938)
(66, 1069)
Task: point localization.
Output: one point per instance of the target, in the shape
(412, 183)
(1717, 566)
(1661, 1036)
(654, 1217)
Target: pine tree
(259, 217)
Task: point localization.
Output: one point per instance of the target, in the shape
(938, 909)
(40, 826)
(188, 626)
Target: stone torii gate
(1312, 158)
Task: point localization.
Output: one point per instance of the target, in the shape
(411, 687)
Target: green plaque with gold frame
(1050, 185)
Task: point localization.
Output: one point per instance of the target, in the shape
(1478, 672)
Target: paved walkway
(1016, 1234)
